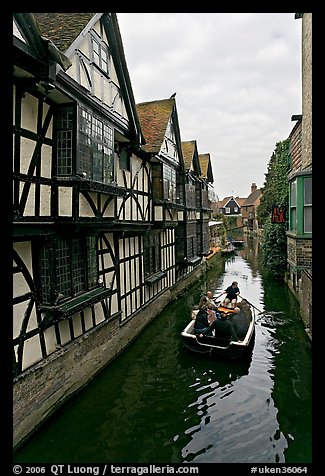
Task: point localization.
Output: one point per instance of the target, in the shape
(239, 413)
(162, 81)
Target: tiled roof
(62, 28)
(253, 198)
(154, 117)
(188, 149)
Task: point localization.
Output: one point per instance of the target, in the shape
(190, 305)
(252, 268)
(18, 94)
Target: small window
(64, 123)
(293, 206)
(308, 205)
(68, 267)
(151, 252)
(100, 55)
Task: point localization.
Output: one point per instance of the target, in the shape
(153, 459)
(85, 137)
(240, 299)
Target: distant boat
(238, 243)
(228, 249)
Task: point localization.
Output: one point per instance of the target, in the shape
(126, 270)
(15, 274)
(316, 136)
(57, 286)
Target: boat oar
(251, 304)
(216, 297)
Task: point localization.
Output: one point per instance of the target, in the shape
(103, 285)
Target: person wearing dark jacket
(201, 324)
(232, 292)
(224, 328)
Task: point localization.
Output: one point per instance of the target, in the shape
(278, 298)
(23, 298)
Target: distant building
(249, 210)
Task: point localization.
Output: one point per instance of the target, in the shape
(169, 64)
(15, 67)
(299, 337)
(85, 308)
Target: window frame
(51, 259)
(91, 146)
(298, 206)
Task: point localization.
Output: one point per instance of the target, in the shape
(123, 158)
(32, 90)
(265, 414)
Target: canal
(158, 403)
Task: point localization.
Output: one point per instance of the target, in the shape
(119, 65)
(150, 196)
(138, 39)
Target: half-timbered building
(98, 195)
(205, 196)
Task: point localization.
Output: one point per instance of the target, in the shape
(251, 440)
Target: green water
(157, 403)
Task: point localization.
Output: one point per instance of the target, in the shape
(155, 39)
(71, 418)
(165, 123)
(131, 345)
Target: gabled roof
(63, 28)
(191, 157)
(154, 117)
(226, 200)
(206, 168)
(38, 45)
(66, 30)
(253, 197)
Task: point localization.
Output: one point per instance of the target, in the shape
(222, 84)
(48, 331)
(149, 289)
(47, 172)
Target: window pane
(108, 165)
(293, 223)
(307, 219)
(64, 152)
(62, 268)
(308, 191)
(293, 193)
(78, 276)
(85, 155)
(92, 261)
(97, 164)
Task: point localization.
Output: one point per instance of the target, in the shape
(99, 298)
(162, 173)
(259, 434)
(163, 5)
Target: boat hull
(244, 325)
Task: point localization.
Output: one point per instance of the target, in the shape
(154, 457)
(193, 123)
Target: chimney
(253, 187)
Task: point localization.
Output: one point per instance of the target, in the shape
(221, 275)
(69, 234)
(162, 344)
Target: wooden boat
(238, 243)
(228, 249)
(244, 325)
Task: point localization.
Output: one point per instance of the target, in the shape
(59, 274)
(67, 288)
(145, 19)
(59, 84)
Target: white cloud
(237, 77)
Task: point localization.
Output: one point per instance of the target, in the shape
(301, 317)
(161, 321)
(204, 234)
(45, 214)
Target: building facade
(299, 235)
(99, 201)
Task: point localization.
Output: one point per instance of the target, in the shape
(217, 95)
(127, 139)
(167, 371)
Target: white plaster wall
(65, 201)
(50, 340)
(27, 147)
(64, 332)
(46, 161)
(99, 313)
(32, 352)
(114, 303)
(30, 203)
(45, 204)
(109, 211)
(158, 213)
(29, 113)
(84, 207)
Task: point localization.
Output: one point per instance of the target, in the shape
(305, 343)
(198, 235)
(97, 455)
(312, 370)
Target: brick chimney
(253, 187)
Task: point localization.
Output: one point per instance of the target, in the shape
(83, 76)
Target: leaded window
(96, 157)
(64, 131)
(90, 154)
(68, 267)
(151, 251)
(169, 178)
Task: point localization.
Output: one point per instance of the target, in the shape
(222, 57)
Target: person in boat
(232, 292)
(223, 328)
(210, 301)
(202, 325)
(212, 308)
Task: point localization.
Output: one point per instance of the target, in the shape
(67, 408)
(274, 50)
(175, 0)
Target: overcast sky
(237, 78)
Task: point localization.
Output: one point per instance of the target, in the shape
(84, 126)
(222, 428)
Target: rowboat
(244, 325)
(238, 243)
(228, 249)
